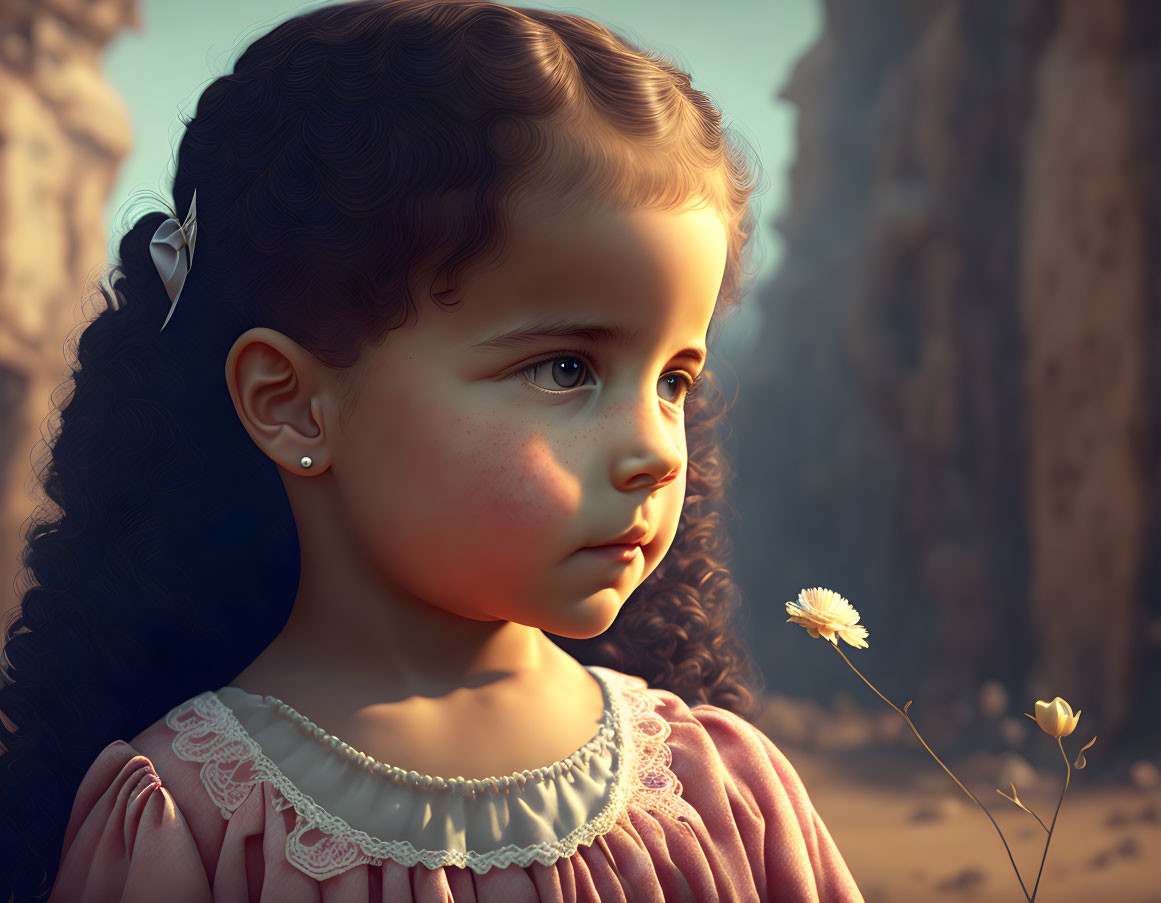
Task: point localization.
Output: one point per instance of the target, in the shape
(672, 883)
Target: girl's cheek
(521, 484)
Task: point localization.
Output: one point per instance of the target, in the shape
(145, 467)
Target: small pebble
(1144, 775)
(993, 699)
(968, 879)
(936, 810)
(1015, 769)
(1013, 731)
(1128, 848)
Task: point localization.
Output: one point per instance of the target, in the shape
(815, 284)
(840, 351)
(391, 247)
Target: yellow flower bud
(1055, 718)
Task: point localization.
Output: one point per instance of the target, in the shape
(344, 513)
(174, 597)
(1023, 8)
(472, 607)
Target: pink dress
(229, 799)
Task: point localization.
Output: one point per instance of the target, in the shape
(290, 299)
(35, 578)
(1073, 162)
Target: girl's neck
(347, 623)
(293, 666)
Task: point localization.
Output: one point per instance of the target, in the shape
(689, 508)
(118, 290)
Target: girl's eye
(567, 371)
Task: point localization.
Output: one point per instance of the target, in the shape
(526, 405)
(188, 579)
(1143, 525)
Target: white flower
(826, 613)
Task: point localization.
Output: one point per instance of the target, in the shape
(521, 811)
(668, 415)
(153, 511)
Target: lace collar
(537, 815)
(253, 712)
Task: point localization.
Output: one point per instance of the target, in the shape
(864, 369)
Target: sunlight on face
(477, 465)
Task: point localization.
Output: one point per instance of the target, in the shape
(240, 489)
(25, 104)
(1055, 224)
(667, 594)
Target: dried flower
(826, 613)
(1080, 763)
(1055, 718)
(1015, 798)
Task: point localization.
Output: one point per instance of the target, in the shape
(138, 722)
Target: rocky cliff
(957, 363)
(63, 134)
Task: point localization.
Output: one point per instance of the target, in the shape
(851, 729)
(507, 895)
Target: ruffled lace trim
(468, 787)
(654, 786)
(208, 732)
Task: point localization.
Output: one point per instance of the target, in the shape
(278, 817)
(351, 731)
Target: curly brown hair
(351, 149)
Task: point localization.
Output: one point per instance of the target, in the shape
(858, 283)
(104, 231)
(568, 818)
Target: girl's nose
(648, 452)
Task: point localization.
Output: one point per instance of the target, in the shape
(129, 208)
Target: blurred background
(942, 378)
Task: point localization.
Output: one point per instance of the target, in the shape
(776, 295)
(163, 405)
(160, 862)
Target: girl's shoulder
(183, 780)
(128, 838)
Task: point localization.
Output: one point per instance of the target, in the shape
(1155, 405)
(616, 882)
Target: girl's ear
(284, 398)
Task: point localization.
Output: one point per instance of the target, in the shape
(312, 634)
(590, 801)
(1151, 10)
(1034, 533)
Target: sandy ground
(913, 835)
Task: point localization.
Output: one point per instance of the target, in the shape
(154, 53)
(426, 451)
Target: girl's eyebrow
(599, 332)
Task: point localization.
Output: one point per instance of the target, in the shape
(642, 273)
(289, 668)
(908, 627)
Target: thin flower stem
(1025, 808)
(953, 777)
(1067, 775)
(1037, 817)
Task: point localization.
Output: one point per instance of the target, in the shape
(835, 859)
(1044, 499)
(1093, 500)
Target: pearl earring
(306, 462)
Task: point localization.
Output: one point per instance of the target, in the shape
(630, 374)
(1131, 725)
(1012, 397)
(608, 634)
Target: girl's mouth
(617, 551)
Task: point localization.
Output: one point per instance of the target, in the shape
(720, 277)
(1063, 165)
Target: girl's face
(478, 463)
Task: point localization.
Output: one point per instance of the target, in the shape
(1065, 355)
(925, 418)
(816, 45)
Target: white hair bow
(172, 249)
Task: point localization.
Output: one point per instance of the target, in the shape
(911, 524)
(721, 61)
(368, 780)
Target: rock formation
(957, 361)
(63, 134)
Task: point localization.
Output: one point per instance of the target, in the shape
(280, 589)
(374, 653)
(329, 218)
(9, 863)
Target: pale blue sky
(738, 51)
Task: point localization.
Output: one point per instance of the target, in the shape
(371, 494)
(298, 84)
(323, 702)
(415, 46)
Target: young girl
(447, 272)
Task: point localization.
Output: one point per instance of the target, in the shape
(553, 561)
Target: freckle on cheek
(524, 486)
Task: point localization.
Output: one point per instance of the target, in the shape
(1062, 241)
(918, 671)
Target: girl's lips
(618, 551)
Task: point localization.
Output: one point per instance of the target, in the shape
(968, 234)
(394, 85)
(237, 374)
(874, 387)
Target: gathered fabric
(226, 799)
